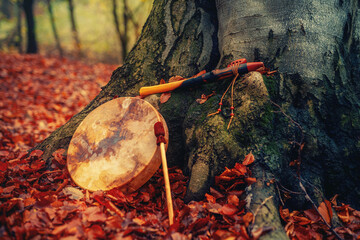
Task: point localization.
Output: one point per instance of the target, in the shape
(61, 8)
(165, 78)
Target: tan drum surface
(115, 146)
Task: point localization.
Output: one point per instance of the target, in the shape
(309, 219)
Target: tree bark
(308, 112)
(31, 32)
(53, 26)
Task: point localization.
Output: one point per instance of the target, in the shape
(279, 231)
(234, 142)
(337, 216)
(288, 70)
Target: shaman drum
(115, 146)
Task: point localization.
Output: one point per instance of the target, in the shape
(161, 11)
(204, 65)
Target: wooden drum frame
(115, 146)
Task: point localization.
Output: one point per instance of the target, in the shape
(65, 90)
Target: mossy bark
(312, 100)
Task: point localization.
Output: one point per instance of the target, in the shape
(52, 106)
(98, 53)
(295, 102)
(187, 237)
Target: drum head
(115, 146)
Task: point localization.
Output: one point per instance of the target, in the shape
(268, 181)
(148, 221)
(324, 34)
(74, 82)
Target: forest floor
(38, 95)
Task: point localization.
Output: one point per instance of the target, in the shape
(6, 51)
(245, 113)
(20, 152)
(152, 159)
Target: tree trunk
(117, 29)
(74, 28)
(124, 35)
(53, 26)
(306, 116)
(31, 33)
(19, 39)
(6, 8)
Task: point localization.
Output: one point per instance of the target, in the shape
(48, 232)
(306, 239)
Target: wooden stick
(167, 184)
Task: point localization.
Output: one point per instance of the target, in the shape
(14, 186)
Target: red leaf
(36, 153)
(241, 168)
(94, 214)
(216, 193)
(233, 199)
(312, 215)
(3, 166)
(325, 211)
(199, 223)
(210, 198)
(175, 79)
(204, 98)
(248, 218)
(228, 209)
(59, 157)
(165, 97)
(250, 180)
(95, 232)
(284, 213)
(4, 153)
(249, 159)
(29, 201)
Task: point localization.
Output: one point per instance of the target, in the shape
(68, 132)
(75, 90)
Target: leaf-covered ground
(40, 94)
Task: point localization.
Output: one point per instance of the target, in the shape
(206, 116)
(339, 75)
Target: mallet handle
(167, 184)
(160, 141)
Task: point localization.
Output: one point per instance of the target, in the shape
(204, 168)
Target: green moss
(272, 151)
(311, 108)
(271, 85)
(350, 120)
(267, 116)
(355, 121)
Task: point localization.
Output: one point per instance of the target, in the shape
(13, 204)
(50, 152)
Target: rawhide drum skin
(115, 146)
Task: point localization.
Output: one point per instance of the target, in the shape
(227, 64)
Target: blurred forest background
(87, 30)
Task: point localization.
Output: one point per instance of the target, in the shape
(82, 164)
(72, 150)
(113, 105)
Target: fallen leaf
(175, 79)
(325, 212)
(164, 97)
(250, 180)
(312, 215)
(248, 218)
(94, 214)
(210, 198)
(249, 159)
(241, 168)
(204, 98)
(257, 233)
(228, 210)
(29, 201)
(333, 199)
(73, 193)
(234, 200)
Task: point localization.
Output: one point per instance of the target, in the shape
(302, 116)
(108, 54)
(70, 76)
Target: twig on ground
(317, 210)
(258, 208)
(278, 190)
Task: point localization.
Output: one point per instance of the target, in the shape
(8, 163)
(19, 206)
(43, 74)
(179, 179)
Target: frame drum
(115, 146)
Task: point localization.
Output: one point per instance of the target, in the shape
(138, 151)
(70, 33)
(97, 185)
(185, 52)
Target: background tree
(6, 9)
(128, 16)
(74, 28)
(19, 26)
(302, 125)
(122, 35)
(28, 6)
(53, 27)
